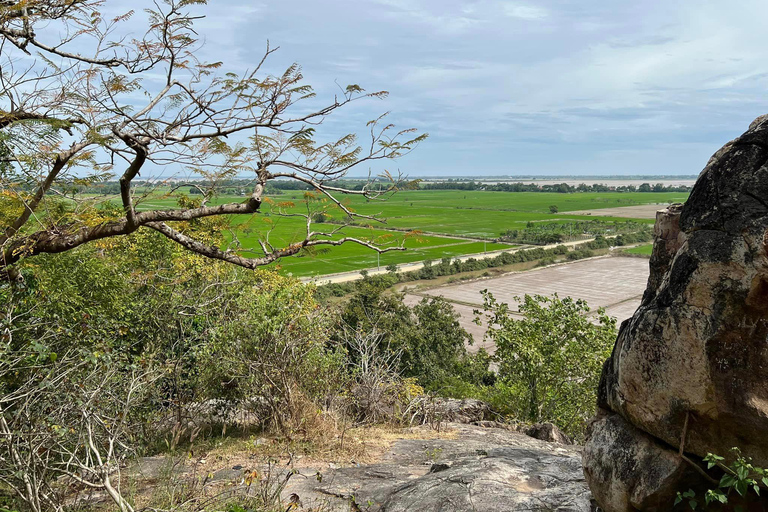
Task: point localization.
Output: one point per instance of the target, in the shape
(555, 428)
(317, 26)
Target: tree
(552, 358)
(68, 419)
(68, 115)
(427, 336)
(553, 209)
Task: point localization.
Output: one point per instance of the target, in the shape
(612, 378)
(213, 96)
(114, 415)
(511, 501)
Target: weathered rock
(668, 239)
(547, 432)
(698, 346)
(484, 469)
(467, 410)
(629, 470)
(692, 362)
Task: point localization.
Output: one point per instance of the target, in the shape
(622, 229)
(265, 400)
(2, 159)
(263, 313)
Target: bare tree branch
(70, 112)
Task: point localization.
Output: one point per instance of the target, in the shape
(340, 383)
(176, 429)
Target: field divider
(343, 277)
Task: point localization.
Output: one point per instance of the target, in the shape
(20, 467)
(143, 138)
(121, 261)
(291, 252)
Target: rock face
(692, 363)
(633, 470)
(466, 410)
(547, 432)
(483, 469)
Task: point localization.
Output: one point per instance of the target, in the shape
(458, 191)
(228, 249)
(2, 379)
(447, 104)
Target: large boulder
(692, 362)
(629, 470)
(483, 469)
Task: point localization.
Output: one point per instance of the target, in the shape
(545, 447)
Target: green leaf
(715, 495)
(728, 481)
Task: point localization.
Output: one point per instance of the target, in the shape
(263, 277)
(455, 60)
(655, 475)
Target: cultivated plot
(434, 218)
(644, 211)
(614, 283)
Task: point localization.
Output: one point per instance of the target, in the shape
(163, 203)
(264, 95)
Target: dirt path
(344, 277)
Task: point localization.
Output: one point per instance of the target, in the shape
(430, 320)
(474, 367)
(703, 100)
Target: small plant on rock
(741, 477)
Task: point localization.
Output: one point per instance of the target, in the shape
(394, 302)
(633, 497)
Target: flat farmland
(616, 283)
(431, 224)
(644, 211)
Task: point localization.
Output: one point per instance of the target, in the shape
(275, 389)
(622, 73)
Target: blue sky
(507, 87)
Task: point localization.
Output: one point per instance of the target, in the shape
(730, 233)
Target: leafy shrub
(740, 478)
(428, 337)
(550, 361)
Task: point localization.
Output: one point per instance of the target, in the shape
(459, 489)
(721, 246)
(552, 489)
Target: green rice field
(430, 224)
(645, 250)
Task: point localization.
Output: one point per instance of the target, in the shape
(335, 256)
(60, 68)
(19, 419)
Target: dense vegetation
(554, 233)
(137, 346)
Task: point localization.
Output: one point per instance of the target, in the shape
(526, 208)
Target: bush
(429, 340)
(550, 361)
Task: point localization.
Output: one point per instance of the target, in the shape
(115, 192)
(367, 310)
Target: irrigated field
(615, 283)
(449, 223)
(645, 250)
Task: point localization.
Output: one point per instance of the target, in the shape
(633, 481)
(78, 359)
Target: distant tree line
(226, 187)
(538, 233)
(562, 188)
(276, 187)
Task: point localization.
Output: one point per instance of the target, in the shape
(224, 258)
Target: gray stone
(690, 367)
(629, 470)
(484, 469)
(467, 410)
(698, 344)
(547, 432)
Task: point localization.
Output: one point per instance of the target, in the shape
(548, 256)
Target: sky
(502, 87)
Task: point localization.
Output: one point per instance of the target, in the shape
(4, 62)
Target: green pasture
(421, 200)
(645, 250)
(435, 215)
(351, 257)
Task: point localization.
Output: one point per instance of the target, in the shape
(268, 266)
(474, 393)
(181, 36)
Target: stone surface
(698, 344)
(629, 470)
(467, 410)
(667, 241)
(483, 469)
(695, 352)
(547, 432)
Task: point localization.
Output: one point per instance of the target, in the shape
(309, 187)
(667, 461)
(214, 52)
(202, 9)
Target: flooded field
(616, 283)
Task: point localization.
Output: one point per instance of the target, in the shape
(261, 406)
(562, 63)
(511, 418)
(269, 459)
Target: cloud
(536, 86)
(524, 12)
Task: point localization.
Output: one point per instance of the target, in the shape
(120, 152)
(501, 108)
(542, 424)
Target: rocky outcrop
(483, 469)
(465, 410)
(461, 468)
(690, 368)
(634, 471)
(547, 432)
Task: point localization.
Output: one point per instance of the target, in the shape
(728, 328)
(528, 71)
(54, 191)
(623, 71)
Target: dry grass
(218, 470)
(354, 445)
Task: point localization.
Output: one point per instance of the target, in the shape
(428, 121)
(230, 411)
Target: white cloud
(550, 81)
(524, 11)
